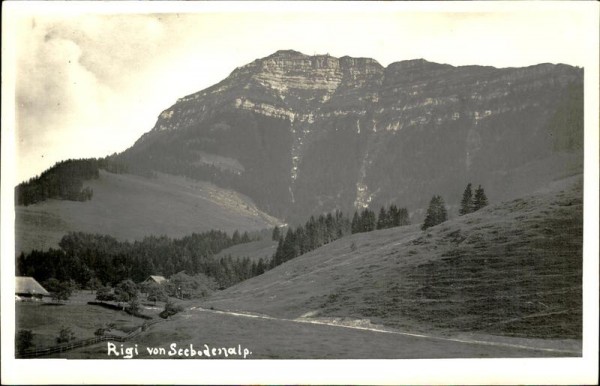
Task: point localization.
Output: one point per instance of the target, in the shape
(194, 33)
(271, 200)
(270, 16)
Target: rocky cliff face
(305, 134)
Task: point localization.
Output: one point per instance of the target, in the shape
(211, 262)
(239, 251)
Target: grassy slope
(254, 250)
(131, 207)
(512, 268)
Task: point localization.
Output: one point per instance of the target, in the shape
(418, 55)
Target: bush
(126, 290)
(105, 294)
(134, 306)
(59, 290)
(65, 335)
(184, 286)
(170, 309)
(157, 292)
(24, 340)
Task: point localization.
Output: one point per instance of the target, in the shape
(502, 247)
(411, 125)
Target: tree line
(64, 181)
(84, 257)
(437, 212)
(366, 221)
(327, 228)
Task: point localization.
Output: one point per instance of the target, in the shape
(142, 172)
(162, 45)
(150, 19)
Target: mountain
(303, 134)
(511, 269)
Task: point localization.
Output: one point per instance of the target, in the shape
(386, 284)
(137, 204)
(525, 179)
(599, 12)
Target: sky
(89, 82)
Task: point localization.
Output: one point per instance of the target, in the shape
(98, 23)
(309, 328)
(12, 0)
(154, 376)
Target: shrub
(157, 292)
(59, 290)
(105, 294)
(65, 335)
(134, 306)
(126, 290)
(24, 340)
(171, 309)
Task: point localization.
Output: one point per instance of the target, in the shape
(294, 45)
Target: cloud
(72, 81)
(91, 84)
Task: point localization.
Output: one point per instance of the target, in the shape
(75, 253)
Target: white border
(464, 371)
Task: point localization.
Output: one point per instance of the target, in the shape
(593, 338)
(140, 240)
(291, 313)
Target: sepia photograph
(302, 192)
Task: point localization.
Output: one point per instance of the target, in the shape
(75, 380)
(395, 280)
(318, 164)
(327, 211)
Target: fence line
(33, 353)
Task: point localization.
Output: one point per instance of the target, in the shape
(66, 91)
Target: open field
(130, 207)
(268, 338)
(511, 269)
(46, 319)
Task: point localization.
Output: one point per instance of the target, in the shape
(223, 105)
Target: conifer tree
(403, 218)
(436, 213)
(289, 244)
(276, 233)
(393, 216)
(355, 225)
(480, 199)
(368, 221)
(466, 204)
(383, 219)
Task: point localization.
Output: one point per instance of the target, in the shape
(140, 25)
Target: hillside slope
(130, 207)
(514, 268)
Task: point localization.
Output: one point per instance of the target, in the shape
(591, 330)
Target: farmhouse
(27, 287)
(155, 279)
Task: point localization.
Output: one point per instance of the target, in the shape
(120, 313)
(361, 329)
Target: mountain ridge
(327, 133)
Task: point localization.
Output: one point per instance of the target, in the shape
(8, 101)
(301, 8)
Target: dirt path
(549, 347)
(267, 337)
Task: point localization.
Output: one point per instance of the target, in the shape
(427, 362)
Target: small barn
(155, 279)
(27, 287)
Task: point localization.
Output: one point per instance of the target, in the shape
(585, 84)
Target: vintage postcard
(331, 192)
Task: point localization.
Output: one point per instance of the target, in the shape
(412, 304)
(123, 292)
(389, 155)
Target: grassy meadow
(131, 207)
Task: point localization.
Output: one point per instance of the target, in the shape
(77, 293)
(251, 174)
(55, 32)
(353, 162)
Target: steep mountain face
(305, 134)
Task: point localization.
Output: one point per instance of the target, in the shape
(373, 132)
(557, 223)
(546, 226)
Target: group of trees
(470, 203)
(64, 181)
(230, 270)
(330, 227)
(366, 221)
(60, 291)
(90, 259)
(314, 233)
(437, 213)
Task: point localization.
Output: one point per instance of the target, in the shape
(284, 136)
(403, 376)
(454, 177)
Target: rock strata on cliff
(304, 134)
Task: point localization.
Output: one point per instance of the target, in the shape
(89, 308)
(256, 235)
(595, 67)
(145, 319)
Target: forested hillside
(83, 257)
(65, 180)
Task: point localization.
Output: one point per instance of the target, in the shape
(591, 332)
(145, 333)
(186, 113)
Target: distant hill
(130, 207)
(513, 268)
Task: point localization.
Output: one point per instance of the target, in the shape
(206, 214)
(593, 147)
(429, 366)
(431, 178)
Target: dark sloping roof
(28, 285)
